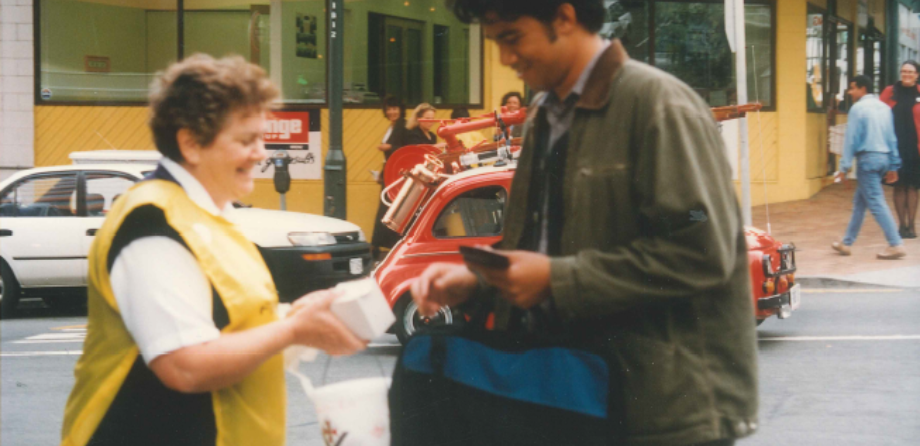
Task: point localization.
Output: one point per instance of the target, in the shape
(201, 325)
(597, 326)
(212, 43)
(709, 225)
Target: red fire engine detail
(451, 127)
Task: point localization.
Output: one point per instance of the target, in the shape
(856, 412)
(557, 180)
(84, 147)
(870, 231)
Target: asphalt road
(841, 371)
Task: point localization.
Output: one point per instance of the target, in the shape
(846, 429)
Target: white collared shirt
(162, 293)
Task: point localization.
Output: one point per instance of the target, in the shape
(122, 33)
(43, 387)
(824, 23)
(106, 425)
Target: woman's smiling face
(225, 166)
(908, 75)
(426, 126)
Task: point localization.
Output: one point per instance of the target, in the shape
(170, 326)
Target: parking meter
(282, 178)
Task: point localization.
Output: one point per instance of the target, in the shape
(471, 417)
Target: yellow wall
(60, 130)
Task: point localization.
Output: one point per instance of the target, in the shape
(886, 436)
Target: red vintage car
(439, 212)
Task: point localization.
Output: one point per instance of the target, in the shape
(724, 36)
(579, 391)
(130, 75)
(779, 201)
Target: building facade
(78, 78)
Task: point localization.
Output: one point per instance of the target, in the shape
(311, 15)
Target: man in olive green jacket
(622, 227)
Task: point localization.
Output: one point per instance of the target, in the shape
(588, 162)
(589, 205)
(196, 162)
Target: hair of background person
(199, 94)
(512, 94)
(863, 81)
(420, 110)
(391, 101)
(459, 113)
(912, 63)
(590, 13)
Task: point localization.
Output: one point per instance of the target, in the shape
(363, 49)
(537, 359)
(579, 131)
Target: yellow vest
(248, 413)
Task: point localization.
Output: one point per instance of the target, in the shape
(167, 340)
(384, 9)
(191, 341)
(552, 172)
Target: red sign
(287, 128)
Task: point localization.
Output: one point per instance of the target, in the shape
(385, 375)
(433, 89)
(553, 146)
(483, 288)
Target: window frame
(437, 218)
(83, 187)
(813, 9)
(873, 36)
(830, 48)
(770, 3)
(78, 188)
(180, 42)
(851, 42)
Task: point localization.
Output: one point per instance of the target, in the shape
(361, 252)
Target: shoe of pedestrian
(844, 250)
(904, 231)
(911, 233)
(892, 252)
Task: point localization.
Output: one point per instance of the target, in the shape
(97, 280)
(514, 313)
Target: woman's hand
(314, 325)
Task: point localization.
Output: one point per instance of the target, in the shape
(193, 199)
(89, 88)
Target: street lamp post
(334, 204)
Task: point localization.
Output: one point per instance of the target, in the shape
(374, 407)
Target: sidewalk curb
(841, 283)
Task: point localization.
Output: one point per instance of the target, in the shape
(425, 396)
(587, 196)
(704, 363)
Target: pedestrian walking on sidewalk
(870, 139)
(903, 98)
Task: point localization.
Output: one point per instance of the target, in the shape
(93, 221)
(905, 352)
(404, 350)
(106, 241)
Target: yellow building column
(790, 100)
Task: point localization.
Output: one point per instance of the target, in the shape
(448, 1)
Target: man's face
(529, 48)
(856, 92)
(513, 104)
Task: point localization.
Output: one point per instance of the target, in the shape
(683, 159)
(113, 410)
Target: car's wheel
(11, 292)
(409, 321)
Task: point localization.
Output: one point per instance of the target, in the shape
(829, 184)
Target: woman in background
(395, 138)
(903, 99)
(513, 101)
(420, 132)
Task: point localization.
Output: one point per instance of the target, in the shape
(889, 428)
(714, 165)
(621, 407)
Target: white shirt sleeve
(163, 296)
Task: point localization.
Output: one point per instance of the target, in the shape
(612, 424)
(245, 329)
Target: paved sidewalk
(815, 223)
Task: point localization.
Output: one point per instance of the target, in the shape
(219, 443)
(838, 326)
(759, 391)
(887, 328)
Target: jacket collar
(595, 95)
(173, 172)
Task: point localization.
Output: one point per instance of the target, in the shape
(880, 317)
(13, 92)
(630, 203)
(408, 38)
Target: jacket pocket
(601, 207)
(663, 386)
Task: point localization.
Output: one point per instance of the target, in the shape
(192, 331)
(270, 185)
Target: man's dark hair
(863, 81)
(391, 101)
(590, 13)
(512, 94)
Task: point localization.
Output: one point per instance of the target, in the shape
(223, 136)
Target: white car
(49, 216)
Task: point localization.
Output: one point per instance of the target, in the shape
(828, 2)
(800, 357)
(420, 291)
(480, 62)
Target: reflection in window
(294, 55)
(102, 190)
(477, 213)
(690, 43)
(814, 60)
(41, 196)
(841, 68)
(628, 20)
(417, 51)
(96, 51)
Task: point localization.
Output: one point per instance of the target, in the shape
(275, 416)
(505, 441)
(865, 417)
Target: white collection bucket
(354, 413)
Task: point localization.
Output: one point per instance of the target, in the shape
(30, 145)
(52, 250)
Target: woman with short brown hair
(183, 341)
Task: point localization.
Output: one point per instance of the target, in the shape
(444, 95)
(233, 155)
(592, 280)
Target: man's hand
(314, 325)
(443, 284)
(840, 177)
(891, 177)
(525, 283)
(384, 147)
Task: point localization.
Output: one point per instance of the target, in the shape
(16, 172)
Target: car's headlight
(311, 238)
(361, 237)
